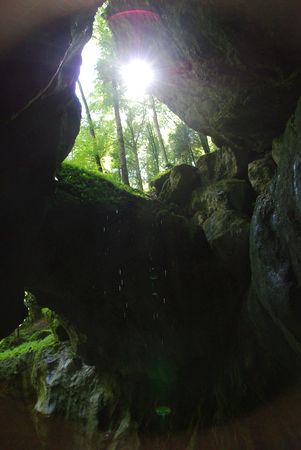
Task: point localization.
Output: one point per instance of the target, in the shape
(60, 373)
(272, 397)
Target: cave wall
(39, 120)
(229, 69)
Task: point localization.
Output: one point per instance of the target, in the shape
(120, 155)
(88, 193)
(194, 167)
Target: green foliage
(143, 153)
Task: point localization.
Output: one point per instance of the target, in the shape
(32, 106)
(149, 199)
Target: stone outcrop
(220, 165)
(39, 120)
(275, 249)
(178, 186)
(261, 172)
(230, 194)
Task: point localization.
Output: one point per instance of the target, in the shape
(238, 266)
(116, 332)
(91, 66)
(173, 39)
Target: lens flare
(137, 76)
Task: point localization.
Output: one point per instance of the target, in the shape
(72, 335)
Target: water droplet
(104, 229)
(119, 288)
(121, 282)
(120, 271)
(124, 315)
(165, 273)
(126, 305)
(117, 211)
(164, 300)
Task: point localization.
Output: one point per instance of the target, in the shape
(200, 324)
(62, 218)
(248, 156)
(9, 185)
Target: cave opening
(160, 268)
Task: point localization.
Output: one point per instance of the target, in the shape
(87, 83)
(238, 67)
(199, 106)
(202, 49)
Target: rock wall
(39, 120)
(229, 69)
(152, 297)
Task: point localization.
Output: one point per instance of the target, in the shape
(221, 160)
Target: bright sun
(137, 76)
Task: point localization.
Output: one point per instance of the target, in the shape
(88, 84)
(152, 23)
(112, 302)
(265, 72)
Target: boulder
(218, 165)
(180, 184)
(231, 194)
(228, 235)
(261, 172)
(158, 181)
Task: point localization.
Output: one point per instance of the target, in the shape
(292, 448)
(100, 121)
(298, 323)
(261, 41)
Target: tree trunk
(204, 142)
(153, 146)
(159, 134)
(135, 151)
(122, 157)
(192, 155)
(91, 128)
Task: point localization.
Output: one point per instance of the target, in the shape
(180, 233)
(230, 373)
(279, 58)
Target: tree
(91, 128)
(119, 129)
(204, 142)
(159, 134)
(135, 133)
(181, 142)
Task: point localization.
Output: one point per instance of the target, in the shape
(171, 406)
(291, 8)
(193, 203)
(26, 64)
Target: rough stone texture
(181, 182)
(225, 194)
(221, 164)
(39, 121)
(261, 172)
(276, 250)
(63, 402)
(230, 69)
(228, 235)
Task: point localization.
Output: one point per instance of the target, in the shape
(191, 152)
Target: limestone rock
(181, 182)
(219, 165)
(261, 172)
(226, 194)
(228, 235)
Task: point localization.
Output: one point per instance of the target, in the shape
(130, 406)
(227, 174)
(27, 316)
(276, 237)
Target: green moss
(95, 188)
(159, 175)
(33, 345)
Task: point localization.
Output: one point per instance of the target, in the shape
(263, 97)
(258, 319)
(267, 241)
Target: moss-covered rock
(228, 233)
(226, 194)
(219, 165)
(158, 181)
(178, 187)
(261, 172)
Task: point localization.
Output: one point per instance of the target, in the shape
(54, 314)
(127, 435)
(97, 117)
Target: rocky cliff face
(161, 294)
(214, 59)
(39, 121)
